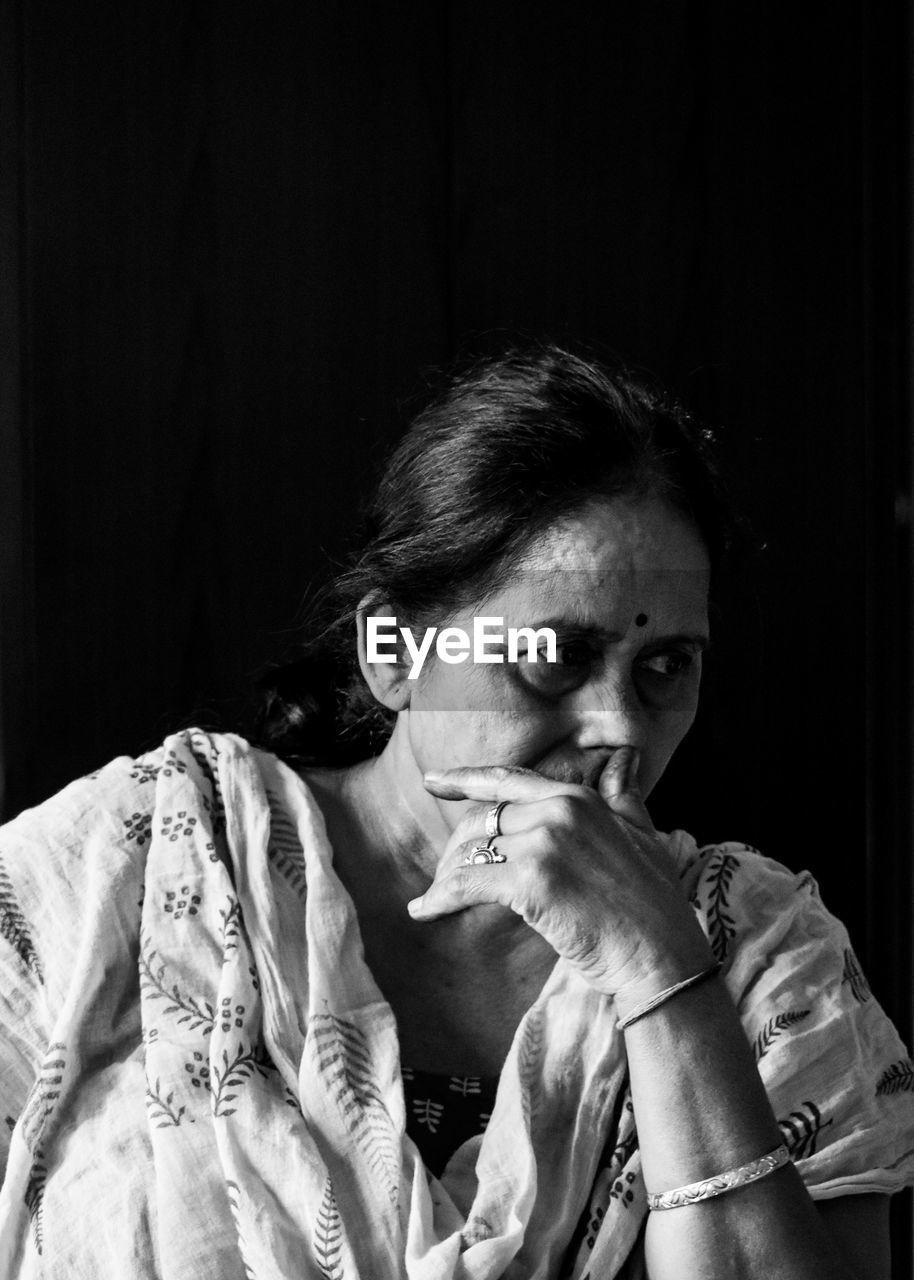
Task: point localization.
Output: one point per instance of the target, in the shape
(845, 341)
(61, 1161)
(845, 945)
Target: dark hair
(511, 444)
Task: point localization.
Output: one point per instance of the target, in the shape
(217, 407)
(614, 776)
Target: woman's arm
(592, 877)
(701, 1109)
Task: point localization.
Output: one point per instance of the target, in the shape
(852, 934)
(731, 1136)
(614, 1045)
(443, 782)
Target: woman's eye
(573, 661)
(669, 664)
(570, 653)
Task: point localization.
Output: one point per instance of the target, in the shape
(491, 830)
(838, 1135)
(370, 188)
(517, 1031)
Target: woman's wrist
(649, 1006)
(662, 972)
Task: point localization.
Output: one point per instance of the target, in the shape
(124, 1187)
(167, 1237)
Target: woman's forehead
(619, 536)
(613, 561)
(605, 600)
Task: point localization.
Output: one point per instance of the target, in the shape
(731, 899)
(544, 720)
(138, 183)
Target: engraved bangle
(640, 1010)
(721, 1182)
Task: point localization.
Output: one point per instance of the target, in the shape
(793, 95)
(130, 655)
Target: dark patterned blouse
(442, 1112)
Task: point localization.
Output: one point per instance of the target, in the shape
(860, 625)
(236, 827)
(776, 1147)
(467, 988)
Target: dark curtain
(233, 237)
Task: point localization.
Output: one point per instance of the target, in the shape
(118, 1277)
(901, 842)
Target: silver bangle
(721, 1182)
(640, 1010)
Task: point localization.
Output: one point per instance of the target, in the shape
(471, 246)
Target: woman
(447, 1004)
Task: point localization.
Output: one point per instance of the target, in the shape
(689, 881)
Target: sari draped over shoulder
(200, 1079)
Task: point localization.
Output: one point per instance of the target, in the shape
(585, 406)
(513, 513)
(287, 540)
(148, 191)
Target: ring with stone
(483, 854)
(492, 827)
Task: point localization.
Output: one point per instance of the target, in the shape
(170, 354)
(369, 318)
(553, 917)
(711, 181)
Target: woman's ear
(383, 660)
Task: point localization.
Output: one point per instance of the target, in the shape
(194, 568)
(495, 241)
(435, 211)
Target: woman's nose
(611, 714)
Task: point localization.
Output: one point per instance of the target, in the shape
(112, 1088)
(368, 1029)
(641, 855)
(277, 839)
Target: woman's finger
(494, 783)
(461, 883)
(465, 886)
(618, 786)
(513, 819)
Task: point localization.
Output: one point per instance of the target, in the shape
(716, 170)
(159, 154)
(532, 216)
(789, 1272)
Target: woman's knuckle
(565, 812)
(551, 869)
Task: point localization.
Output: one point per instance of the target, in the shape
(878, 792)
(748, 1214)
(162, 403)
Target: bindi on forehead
(641, 620)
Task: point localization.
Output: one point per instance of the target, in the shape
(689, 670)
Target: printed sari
(200, 1079)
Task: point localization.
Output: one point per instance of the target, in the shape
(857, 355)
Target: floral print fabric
(442, 1112)
(200, 1079)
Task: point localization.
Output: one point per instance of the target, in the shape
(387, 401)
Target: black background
(234, 235)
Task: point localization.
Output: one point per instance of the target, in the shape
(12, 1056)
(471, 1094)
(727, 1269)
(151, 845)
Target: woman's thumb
(618, 785)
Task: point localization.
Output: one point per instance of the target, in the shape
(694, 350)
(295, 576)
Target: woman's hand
(585, 868)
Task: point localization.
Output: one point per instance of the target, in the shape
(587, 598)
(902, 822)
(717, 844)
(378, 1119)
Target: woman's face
(624, 585)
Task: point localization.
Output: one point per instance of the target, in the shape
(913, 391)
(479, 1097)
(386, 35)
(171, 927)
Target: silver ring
(483, 854)
(492, 827)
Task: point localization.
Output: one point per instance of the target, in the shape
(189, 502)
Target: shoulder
(89, 843)
(768, 925)
(736, 890)
(99, 825)
(71, 871)
(109, 809)
(740, 893)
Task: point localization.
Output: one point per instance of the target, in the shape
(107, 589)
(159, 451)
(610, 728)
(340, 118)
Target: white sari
(201, 1079)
